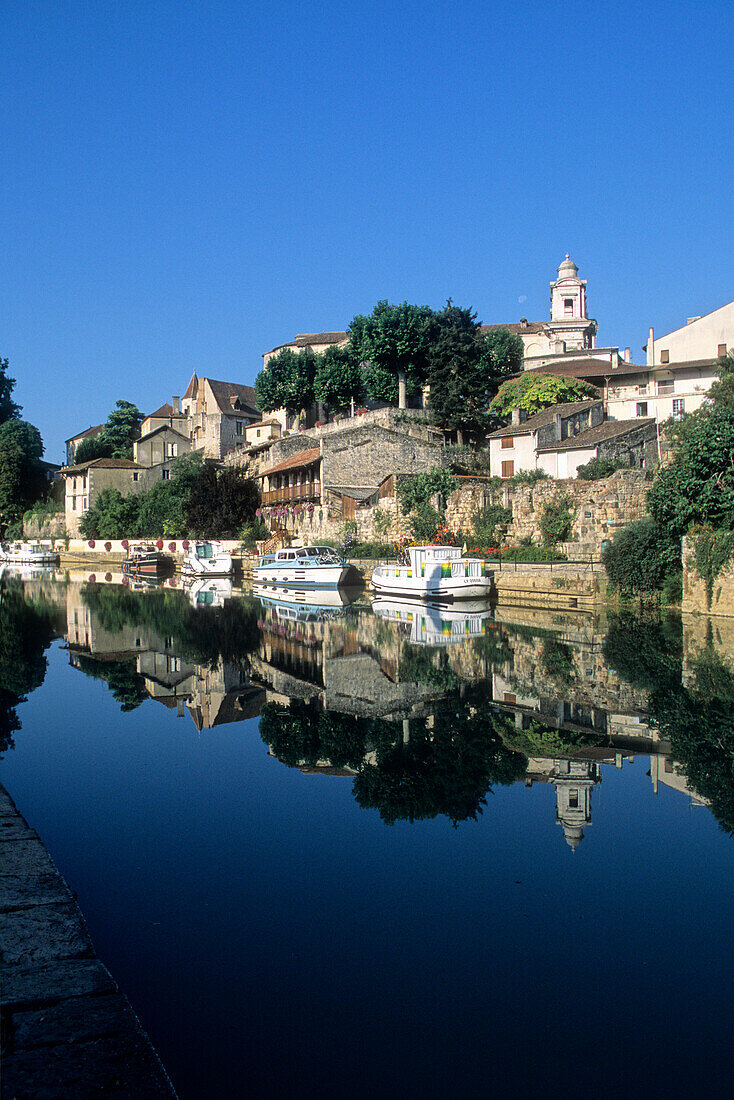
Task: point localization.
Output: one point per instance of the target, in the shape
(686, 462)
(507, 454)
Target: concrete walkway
(67, 1030)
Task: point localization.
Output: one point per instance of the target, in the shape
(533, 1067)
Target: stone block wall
(365, 455)
(695, 595)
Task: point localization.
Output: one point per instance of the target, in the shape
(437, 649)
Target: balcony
(293, 494)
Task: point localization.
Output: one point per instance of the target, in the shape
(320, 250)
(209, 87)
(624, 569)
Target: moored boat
(144, 559)
(207, 558)
(33, 552)
(305, 568)
(438, 572)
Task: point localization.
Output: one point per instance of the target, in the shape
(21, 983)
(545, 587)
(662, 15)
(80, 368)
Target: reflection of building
(574, 780)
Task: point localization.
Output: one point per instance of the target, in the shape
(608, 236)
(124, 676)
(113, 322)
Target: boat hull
(449, 589)
(308, 578)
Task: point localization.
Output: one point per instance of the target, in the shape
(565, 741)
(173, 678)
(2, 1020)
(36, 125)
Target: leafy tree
(112, 516)
(533, 391)
(393, 343)
(122, 677)
(287, 381)
(25, 633)
(8, 408)
(697, 486)
(21, 477)
(457, 372)
(338, 377)
(419, 488)
(91, 447)
(640, 558)
(122, 428)
(489, 524)
(556, 520)
(221, 502)
(502, 354)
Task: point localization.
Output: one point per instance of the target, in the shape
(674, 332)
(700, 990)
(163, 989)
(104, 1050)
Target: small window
(679, 406)
(509, 697)
(239, 427)
(73, 504)
(642, 408)
(642, 390)
(166, 475)
(664, 356)
(568, 306)
(508, 469)
(573, 798)
(258, 433)
(135, 477)
(665, 385)
(508, 441)
(722, 349)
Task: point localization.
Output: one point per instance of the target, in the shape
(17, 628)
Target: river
(388, 851)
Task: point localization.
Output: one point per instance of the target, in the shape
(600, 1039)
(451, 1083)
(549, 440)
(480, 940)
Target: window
(85, 503)
(258, 433)
(642, 390)
(171, 450)
(508, 469)
(166, 475)
(508, 441)
(679, 406)
(664, 356)
(573, 798)
(73, 504)
(722, 349)
(568, 306)
(239, 427)
(665, 385)
(641, 408)
(135, 477)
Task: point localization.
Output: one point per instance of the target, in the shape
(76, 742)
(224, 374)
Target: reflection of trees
(697, 718)
(430, 666)
(124, 681)
(445, 763)
(25, 632)
(201, 634)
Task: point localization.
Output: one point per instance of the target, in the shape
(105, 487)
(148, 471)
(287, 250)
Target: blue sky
(188, 184)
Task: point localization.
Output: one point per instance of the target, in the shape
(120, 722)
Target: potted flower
(108, 546)
(91, 544)
(125, 544)
(159, 544)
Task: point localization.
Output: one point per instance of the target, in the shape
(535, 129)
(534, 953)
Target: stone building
(85, 481)
(75, 440)
(701, 339)
(218, 414)
(158, 449)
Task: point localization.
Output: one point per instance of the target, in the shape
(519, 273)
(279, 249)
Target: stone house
(170, 416)
(218, 414)
(158, 449)
(262, 431)
(514, 448)
(84, 483)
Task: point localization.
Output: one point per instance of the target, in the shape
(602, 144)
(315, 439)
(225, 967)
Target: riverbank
(67, 1028)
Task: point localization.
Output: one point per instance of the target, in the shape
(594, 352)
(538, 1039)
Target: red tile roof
(296, 462)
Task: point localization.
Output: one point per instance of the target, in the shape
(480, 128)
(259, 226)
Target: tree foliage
(117, 437)
(338, 377)
(8, 408)
(222, 502)
(21, 477)
(533, 391)
(697, 486)
(461, 384)
(392, 342)
(287, 381)
(600, 467)
(640, 558)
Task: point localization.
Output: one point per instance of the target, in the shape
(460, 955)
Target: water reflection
(427, 709)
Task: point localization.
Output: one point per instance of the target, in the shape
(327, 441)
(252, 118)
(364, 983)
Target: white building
(701, 338)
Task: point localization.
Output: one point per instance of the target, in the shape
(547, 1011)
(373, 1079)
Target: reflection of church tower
(570, 327)
(573, 780)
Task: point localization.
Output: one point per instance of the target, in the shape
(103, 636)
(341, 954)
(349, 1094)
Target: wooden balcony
(293, 494)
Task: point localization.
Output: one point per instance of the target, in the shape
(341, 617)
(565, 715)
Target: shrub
(417, 490)
(489, 524)
(556, 521)
(527, 477)
(424, 523)
(254, 531)
(599, 467)
(641, 558)
(382, 521)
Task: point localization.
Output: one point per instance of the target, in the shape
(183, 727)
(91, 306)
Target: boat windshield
(205, 550)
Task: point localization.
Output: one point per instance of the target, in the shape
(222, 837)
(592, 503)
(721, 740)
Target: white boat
(300, 602)
(434, 624)
(34, 552)
(304, 568)
(437, 572)
(206, 558)
(208, 591)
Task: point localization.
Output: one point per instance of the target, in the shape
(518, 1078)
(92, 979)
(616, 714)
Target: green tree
(221, 502)
(457, 372)
(502, 355)
(21, 477)
(533, 391)
(392, 342)
(640, 558)
(338, 377)
(93, 446)
(122, 428)
(8, 408)
(287, 381)
(697, 486)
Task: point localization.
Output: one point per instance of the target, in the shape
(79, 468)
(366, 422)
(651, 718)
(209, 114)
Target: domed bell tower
(570, 328)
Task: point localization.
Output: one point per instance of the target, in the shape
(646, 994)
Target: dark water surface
(406, 853)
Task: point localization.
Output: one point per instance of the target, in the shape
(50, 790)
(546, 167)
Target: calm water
(389, 852)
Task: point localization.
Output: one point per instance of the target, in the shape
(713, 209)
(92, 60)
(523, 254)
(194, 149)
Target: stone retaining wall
(695, 595)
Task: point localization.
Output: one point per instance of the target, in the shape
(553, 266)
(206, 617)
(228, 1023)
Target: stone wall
(365, 455)
(695, 595)
(45, 527)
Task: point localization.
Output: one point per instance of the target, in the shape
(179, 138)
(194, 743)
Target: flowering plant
(108, 546)
(125, 544)
(172, 547)
(91, 544)
(159, 544)
(186, 544)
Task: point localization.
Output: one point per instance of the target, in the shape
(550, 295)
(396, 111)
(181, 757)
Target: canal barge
(144, 559)
(207, 558)
(437, 572)
(305, 568)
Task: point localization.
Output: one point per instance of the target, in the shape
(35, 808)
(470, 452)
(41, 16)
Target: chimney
(519, 416)
(615, 358)
(177, 404)
(627, 354)
(651, 347)
(558, 425)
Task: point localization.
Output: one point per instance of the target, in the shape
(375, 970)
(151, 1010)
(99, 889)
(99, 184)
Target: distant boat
(305, 568)
(144, 559)
(34, 552)
(432, 572)
(207, 558)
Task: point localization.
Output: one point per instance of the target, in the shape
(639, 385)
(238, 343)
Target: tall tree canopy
(21, 477)
(8, 408)
(393, 343)
(533, 391)
(116, 439)
(338, 379)
(287, 381)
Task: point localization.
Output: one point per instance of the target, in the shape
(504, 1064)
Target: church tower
(570, 327)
